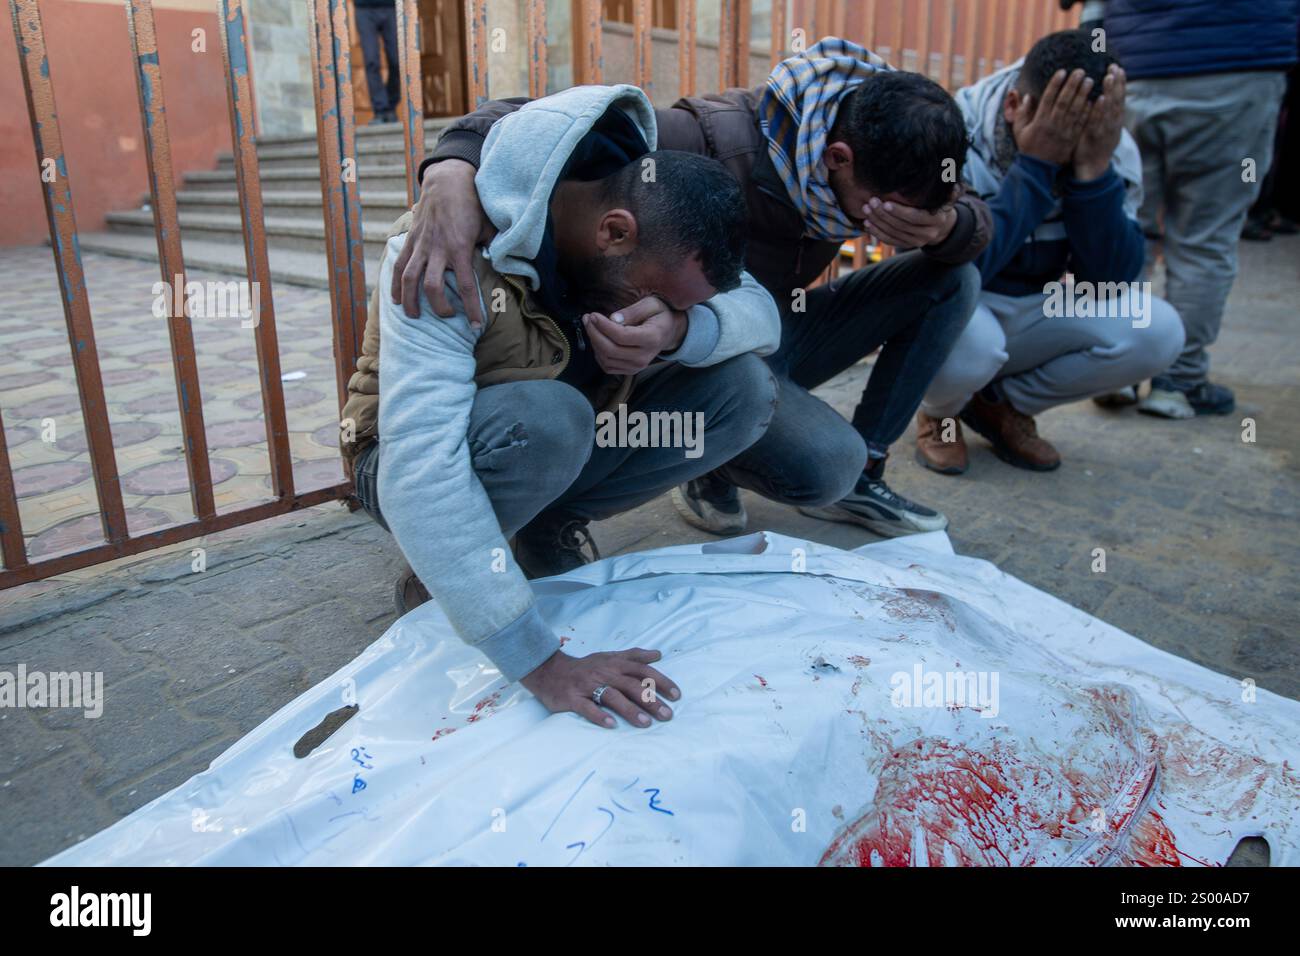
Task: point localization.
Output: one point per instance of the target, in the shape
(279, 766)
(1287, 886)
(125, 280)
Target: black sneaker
(554, 543)
(877, 508)
(711, 504)
(1210, 399)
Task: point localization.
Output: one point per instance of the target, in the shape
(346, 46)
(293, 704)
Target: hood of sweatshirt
(524, 156)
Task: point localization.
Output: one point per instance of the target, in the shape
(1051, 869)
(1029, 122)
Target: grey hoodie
(431, 497)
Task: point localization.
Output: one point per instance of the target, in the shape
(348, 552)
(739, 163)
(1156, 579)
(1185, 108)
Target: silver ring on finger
(599, 692)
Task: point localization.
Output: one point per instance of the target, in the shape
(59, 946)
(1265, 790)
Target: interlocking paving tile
(87, 530)
(37, 384)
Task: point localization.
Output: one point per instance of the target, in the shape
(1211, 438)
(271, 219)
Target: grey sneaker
(554, 543)
(711, 504)
(877, 508)
(1166, 403)
(1205, 399)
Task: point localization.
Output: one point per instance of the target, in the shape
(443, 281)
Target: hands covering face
(1062, 126)
(630, 339)
(909, 227)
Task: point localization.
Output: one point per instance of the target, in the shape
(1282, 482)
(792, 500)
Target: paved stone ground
(1199, 530)
(46, 435)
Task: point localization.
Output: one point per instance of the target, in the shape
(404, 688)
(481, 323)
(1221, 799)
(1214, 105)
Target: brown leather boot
(1014, 435)
(409, 592)
(945, 457)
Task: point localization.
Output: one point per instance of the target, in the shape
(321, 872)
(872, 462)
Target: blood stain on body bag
(940, 802)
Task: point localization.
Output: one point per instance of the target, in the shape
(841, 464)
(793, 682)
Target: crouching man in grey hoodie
(519, 429)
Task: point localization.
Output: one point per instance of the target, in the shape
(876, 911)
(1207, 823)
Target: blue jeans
(533, 444)
(910, 307)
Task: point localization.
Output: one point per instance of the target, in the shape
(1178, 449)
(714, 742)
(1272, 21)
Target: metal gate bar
(167, 230)
(408, 44)
(248, 183)
(57, 193)
(339, 192)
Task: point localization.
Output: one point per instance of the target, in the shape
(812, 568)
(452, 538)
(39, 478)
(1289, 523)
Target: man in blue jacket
(1049, 155)
(1207, 82)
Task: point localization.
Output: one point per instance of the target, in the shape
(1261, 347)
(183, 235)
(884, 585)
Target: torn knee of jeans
(482, 452)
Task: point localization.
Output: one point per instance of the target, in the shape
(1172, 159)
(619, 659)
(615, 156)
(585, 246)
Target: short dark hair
(902, 127)
(1067, 50)
(686, 205)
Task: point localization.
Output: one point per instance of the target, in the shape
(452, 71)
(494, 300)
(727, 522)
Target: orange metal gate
(984, 32)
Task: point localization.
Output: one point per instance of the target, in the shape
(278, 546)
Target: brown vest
(778, 254)
(725, 125)
(520, 343)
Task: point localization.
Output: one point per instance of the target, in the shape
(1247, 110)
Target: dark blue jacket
(1100, 242)
(1153, 38)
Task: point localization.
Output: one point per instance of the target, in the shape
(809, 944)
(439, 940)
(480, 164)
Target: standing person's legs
(1216, 133)
(810, 456)
(393, 86)
(369, 23)
(1143, 121)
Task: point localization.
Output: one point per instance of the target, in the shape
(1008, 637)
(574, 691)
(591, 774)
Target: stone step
(281, 232)
(289, 266)
(365, 135)
(386, 141)
(380, 154)
(303, 178)
(376, 206)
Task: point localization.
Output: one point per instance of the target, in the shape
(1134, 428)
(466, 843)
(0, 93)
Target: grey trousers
(534, 444)
(1207, 143)
(1042, 360)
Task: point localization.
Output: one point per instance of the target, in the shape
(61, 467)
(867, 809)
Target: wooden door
(442, 61)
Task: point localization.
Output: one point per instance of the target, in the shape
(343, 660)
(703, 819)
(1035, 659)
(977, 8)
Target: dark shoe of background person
(1120, 398)
(1014, 435)
(409, 592)
(554, 543)
(1210, 399)
(1279, 224)
(1253, 230)
(876, 507)
(711, 504)
(945, 457)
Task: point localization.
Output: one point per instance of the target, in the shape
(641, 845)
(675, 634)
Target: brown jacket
(519, 343)
(725, 126)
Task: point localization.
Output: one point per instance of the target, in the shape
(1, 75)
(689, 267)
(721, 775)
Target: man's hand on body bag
(446, 225)
(623, 680)
(628, 340)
